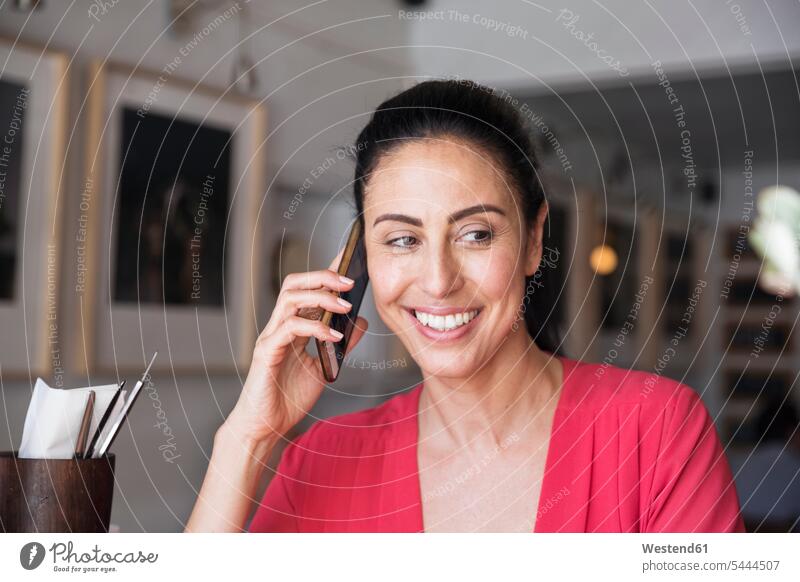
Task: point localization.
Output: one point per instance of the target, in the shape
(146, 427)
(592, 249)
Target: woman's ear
(534, 241)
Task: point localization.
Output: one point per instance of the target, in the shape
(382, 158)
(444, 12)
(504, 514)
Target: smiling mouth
(446, 322)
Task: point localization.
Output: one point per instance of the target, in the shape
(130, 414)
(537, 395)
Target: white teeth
(445, 322)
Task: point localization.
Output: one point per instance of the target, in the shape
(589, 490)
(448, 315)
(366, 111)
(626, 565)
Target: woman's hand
(282, 385)
(284, 381)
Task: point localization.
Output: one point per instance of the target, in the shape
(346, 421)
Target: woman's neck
(501, 399)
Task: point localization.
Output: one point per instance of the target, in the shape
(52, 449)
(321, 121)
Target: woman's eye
(403, 242)
(479, 236)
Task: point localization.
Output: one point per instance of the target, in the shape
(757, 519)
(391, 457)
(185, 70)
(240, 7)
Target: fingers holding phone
(353, 265)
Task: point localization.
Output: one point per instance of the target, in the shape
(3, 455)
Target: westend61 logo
(65, 559)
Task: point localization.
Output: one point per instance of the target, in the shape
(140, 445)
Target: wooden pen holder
(55, 495)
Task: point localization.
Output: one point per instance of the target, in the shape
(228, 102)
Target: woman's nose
(442, 273)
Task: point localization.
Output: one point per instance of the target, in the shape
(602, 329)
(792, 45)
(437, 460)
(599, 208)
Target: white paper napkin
(54, 419)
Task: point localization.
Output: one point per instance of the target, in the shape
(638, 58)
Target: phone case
(325, 349)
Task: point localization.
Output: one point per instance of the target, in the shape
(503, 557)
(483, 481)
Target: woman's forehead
(441, 172)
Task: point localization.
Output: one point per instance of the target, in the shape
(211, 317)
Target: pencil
(103, 421)
(83, 434)
(129, 402)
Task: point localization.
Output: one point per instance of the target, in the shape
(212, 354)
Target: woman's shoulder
(605, 386)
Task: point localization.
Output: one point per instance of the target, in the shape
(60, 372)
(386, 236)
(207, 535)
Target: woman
(504, 433)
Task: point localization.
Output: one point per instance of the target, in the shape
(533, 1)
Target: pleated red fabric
(630, 451)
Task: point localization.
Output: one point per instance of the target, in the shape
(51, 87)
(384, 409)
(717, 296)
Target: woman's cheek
(501, 283)
(388, 283)
(492, 274)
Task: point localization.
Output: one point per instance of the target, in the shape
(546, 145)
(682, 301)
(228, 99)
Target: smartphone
(354, 266)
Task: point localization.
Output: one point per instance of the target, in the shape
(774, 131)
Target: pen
(83, 433)
(112, 434)
(106, 415)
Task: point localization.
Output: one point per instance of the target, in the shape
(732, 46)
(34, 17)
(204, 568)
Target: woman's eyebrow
(398, 218)
(453, 217)
(475, 210)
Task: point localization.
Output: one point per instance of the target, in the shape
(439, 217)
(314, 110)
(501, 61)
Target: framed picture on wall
(33, 119)
(178, 174)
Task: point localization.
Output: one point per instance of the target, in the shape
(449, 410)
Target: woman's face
(446, 250)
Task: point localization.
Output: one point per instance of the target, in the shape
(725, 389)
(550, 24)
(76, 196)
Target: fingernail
(337, 334)
(344, 302)
(344, 279)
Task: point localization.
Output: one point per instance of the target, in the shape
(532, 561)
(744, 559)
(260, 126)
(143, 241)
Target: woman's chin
(452, 365)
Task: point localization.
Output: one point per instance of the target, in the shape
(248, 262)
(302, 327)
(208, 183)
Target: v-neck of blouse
(544, 493)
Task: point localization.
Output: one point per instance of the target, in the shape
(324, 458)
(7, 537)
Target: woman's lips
(445, 335)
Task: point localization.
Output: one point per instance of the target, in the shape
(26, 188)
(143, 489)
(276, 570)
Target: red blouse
(629, 451)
